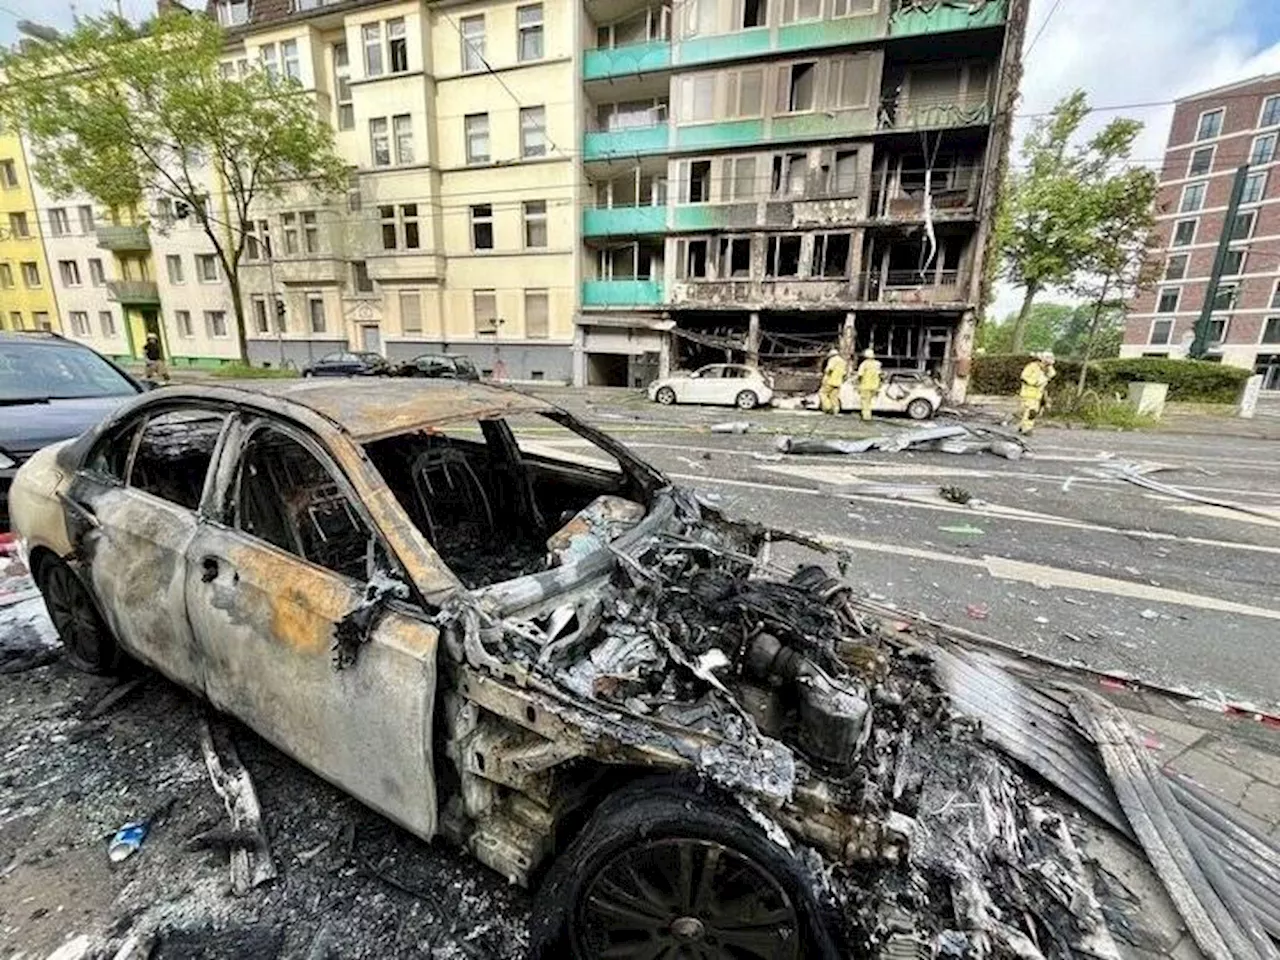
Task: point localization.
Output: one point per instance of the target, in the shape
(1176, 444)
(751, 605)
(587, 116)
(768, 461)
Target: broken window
(789, 174)
(700, 181)
(174, 453)
(782, 258)
(695, 261)
(797, 84)
(755, 13)
(735, 257)
(831, 255)
(288, 498)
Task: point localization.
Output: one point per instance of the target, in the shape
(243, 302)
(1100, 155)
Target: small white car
(724, 384)
(917, 395)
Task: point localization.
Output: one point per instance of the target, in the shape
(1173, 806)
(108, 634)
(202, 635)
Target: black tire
(746, 400)
(665, 396)
(88, 641)
(655, 837)
(919, 409)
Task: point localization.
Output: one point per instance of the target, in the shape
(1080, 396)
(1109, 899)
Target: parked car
(444, 366)
(916, 394)
(51, 389)
(348, 363)
(725, 384)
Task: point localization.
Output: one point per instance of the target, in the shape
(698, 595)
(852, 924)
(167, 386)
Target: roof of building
(1228, 87)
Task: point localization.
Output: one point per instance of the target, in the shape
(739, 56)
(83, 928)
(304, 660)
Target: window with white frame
(533, 131)
(289, 59)
(69, 270)
(744, 92)
(848, 81)
(482, 226)
(1210, 124)
(1192, 197)
(80, 323)
(371, 37)
(310, 232)
(1225, 298)
(1269, 116)
(1263, 150)
(97, 275)
(476, 126)
(261, 322)
(1271, 330)
(742, 178)
(1275, 296)
(1218, 330)
(1242, 225)
(1233, 263)
(207, 268)
(1201, 161)
(342, 88)
(86, 218)
(484, 307)
(472, 43)
(30, 274)
(18, 226)
(1255, 185)
(1168, 301)
(379, 142)
(173, 263)
(233, 13)
(59, 226)
(289, 232)
(215, 323)
(107, 323)
(1161, 332)
(697, 99)
(793, 10)
(267, 55)
(315, 312)
(402, 129)
(535, 223)
(1184, 233)
(397, 46)
(537, 315)
(1175, 267)
(182, 319)
(529, 24)
(409, 234)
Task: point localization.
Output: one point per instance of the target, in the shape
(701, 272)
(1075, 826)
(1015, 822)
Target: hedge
(1190, 380)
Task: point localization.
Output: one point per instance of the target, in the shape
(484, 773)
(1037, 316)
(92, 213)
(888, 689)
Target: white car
(725, 384)
(917, 395)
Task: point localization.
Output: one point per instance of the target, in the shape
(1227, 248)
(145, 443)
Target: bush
(1189, 380)
(1094, 410)
(243, 371)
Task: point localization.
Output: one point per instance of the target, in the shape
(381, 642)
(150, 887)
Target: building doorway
(371, 339)
(607, 369)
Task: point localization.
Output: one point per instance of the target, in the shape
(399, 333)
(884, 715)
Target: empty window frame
(697, 188)
(782, 256)
(797, 87)
(787, 177)
(831, 255)
(735, 258)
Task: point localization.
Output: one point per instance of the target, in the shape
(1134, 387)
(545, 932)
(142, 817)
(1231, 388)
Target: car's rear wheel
(665, 396)
(663, 870)
(746, 400)
(919, 409)
(89, 643)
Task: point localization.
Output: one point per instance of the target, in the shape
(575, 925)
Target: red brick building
(1214, 133)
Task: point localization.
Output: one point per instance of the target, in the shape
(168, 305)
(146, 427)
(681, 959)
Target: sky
(1119, 51)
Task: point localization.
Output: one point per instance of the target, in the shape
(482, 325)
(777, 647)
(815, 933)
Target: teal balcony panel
(936, 116)
(730, 133)
(819, 125)
(725, 46)
(634, 58)
(621, 293)
(721, 216)
(623, 221)
(909, 20)
(604, 144)
(830, 33)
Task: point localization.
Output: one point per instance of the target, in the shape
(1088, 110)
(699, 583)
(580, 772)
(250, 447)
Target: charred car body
(486, 620)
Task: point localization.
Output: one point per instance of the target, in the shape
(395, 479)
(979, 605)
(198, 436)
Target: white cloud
(1136, 51)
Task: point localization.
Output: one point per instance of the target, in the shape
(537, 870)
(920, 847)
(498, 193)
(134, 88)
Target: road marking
(1041, 575)
(1226, 513)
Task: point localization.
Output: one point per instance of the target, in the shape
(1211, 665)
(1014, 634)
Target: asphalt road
(1055, 560)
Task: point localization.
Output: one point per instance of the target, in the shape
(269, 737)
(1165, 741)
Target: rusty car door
(289, 557)
(132, 513)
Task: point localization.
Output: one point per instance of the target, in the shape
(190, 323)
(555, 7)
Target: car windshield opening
(499, 499)
(39, 372)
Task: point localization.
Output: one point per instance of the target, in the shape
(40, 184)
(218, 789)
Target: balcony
(934, 115)
(134, 293)
(315, 269)
(621, 293)
(623, 221)
(608, 63)
(627, 142)
(132, 238)
(911, 18)
(716, 216)
(908, 288)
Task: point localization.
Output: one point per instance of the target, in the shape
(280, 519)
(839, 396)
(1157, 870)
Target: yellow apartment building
(26, 286)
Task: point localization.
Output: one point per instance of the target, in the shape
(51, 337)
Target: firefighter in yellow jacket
(868, 381)
(832, 377)
(1035, 382)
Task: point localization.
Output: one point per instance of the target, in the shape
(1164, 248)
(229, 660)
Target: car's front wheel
(746, 400)
(663, 870)
(665, 396)
(919, 409)
(89, 643)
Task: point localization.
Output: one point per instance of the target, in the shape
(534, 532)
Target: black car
(348, 363)
(445, 366)
(51, 389)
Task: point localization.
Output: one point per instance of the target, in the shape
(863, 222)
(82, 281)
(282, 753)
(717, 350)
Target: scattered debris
(956, 438)
(116, 695)
(126, 841)
(964, 529)
(954, 494)
(250, 867)
(1140, 474)
(977, 611)
(734, 426)
(1149, 614)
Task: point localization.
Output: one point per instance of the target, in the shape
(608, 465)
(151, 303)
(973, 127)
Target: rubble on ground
(947, 438)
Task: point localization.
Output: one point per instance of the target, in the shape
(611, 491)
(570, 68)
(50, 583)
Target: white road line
(1004, 568)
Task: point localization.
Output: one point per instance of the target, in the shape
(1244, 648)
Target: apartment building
(1212, 135)
(26, 289)
(766, 179)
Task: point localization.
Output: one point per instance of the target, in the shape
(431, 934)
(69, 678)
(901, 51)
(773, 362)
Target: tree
(1108, 332)
(1045, 325)
(1044, 225)
(132, 114)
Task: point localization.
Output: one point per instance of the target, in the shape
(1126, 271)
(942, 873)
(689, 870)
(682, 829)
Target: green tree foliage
(1044, 328)
(1047, 219)
(131, 114)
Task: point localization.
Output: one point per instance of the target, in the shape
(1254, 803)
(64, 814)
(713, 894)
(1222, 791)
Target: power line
(1043, 26)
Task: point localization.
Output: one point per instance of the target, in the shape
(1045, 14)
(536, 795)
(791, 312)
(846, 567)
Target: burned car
(488, 621)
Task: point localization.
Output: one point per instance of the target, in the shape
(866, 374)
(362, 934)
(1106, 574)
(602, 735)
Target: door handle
(209, 569)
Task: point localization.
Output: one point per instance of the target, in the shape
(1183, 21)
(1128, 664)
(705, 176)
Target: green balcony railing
(621, 293)
(123, 238)
(133, 293)
(913, 18)
(623, 221)
(630, 141)
(611, 62)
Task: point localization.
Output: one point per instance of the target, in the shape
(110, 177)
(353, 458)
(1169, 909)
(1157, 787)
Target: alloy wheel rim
(72, 615)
